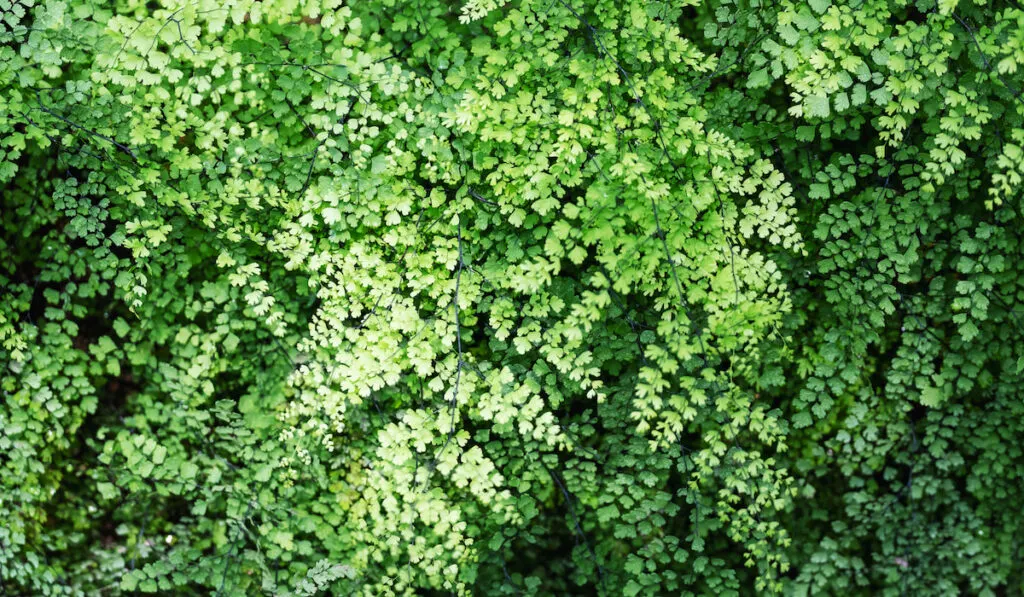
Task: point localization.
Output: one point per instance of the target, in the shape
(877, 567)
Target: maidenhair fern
(552, 297)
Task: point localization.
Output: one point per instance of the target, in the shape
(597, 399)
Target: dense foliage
(540, 297)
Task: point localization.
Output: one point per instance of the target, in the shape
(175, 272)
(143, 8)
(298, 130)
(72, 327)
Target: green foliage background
(515, 297)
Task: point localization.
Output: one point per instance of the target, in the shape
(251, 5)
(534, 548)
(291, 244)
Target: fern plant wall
(551, 297)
